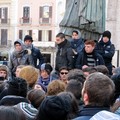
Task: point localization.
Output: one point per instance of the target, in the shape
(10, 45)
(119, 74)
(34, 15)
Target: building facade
(40, 19)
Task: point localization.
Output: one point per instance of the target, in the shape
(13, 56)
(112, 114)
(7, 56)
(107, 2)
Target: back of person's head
(11, 113)
(76, 74)
(89, 70)
(74, 87)
(53, 108)
(36, 96)
(72, 100)
(30, 74)
(99, 89)
(55, 87)
(60, 35)
(90, 42)
(18, 87)
(103, 69)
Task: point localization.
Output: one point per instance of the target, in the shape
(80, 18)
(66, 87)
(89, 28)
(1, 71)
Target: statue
(87, 16)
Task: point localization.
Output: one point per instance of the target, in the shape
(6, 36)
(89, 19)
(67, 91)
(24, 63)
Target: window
(26, 14)
(20, 34)
(40, 35)
(50, 35)
(4, 33)
(30, 32)
(45, 35)
(45, 14)
(4, 14)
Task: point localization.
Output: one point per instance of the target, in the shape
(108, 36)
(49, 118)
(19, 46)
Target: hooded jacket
(19, 58)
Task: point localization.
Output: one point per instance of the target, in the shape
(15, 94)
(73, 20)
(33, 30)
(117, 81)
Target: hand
(84, 66)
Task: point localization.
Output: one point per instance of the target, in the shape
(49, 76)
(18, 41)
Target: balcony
(45, 21)
(25, 20)
(44, 44)
(4, 21)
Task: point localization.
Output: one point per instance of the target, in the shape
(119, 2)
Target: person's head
(18, 87)
(30, 74)
(60, 37)
(18, 70)
(55, 87)
(75, 34)
(28, 40)
(63, 72)
(53, 108)
(3, 72)
(103, 69)
(35, 97)
(98, 90)
(11, 113)
(89, 46)
(75, 87)
(89, 70)
(45, 70)
(73, 103)
(106, 36)
(18, 45)
(76, 74)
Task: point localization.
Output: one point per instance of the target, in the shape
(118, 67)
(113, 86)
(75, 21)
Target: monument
(87, 16)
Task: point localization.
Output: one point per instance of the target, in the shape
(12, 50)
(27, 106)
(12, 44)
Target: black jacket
(36, 55)
(64, 55)
(82, 59)
(87, 112)
(106, 50)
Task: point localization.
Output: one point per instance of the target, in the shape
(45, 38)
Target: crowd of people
(82, 86)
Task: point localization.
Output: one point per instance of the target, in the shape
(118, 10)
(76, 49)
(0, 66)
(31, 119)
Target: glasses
(62, 73)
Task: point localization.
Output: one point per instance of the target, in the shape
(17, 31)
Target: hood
(19, 41)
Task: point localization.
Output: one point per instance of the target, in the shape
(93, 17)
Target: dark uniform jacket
(106, 50)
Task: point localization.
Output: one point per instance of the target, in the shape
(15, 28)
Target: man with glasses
(63, 72)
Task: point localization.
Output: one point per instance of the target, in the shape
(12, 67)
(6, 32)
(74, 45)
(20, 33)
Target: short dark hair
(89, 69)
(28, 37)
(103, 69)
(36, 96)
(63, 68)
(60, 35)
(74, 87)
(73, 103)
(75, 31)
(100, 89)
(76, 74)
